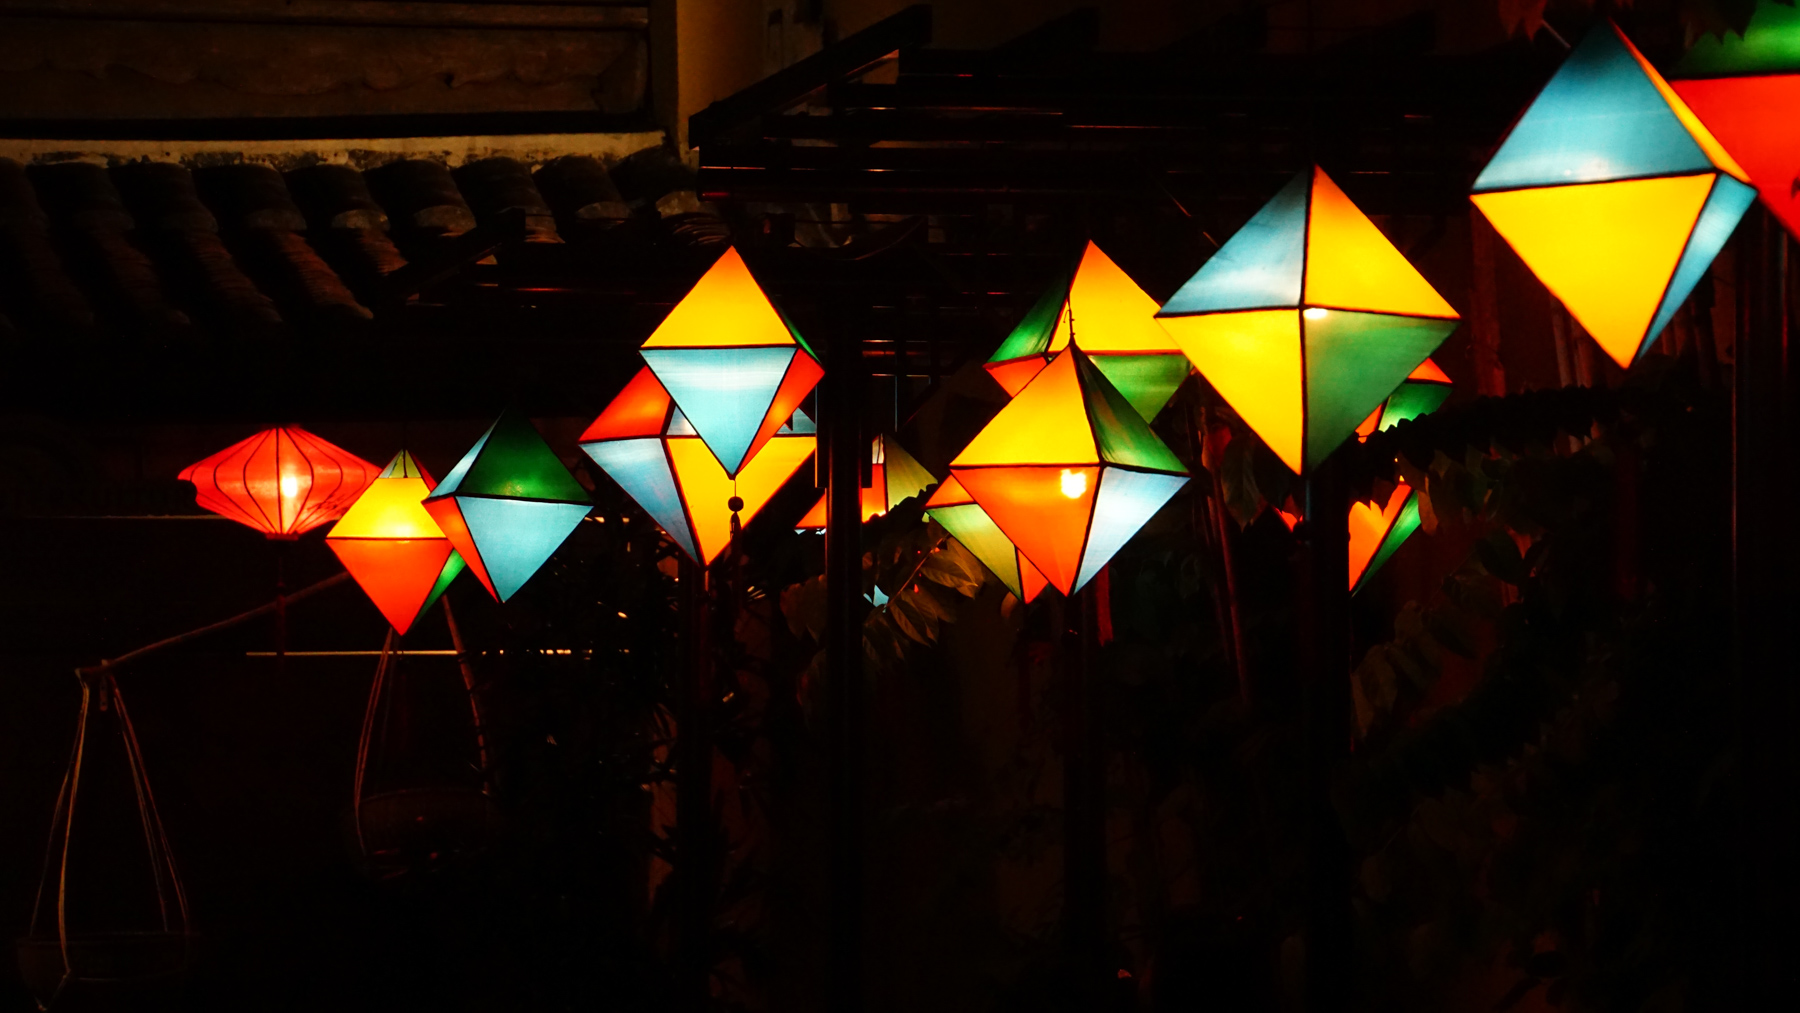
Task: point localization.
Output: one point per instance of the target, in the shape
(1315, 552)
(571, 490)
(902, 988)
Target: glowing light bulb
(1074, 483)
(1315, 313)
(290, 486)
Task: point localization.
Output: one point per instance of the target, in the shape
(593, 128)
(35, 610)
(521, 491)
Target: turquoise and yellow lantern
(1614, 193)
(731, 362)
(1307, 319)
(1119, 333)
(651, 450)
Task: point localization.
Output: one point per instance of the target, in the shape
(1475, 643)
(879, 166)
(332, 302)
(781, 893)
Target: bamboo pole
(276, 606)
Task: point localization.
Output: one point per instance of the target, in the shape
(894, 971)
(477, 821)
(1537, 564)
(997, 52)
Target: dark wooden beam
(839, 62)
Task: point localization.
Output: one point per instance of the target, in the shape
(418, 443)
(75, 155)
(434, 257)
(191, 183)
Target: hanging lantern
(1307, 319)
(895, 476)
(1746, 89)
(1376, 532)
(1613, 193)
(958, 513)
(1118, 332)
(1423, 391)
(507, 505)
(393, 549)
(1068, 470)
(283, 482)
(733, 364)
(651, 449)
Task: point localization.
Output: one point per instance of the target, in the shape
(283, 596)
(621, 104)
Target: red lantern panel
(283, 481)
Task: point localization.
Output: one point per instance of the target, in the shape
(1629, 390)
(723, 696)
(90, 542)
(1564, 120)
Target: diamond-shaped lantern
(895, 476)
(393, 549)
(1307, 319)
(507, 505)
(1746, 89)
(645, 443)
(1422, 392)
(1068, 470)
(958, 513)
(1613, 193)
(1377, 531)
(283, 481)
(733, 364)
(1118, 332)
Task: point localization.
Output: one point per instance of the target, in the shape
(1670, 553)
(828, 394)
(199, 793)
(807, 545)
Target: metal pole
(695, 833)
(1084, 811)
(840, 427)
(1324, 658)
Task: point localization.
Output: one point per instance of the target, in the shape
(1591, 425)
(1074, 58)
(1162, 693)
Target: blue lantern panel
(642, 469)
(724, 392)
(516, 536)
(1600, 118)
(1262, 266)
(1126, 502)
(1718, 220)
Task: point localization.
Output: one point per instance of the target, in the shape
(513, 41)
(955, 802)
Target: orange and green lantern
(1118, 332)
(957, 512)
(1377, 531)
(1746, 89)
(1614, 193)
(393, 549)
(1422, 392)
(644, 442)
(1307, 319)
(1069, 470)
(507, 505)
(282, 482)
(731, 362)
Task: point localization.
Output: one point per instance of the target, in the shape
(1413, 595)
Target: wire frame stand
(73, 968)
(425, 827)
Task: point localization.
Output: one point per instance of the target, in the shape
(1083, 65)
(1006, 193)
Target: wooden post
(1324, 659)
(1762, 550)
(1084, 807)
(694, 825)
(1484, 308)
(840, 427)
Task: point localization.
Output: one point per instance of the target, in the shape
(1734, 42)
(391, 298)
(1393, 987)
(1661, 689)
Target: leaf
(1237, 472)
(1499, 555)
(803, 605)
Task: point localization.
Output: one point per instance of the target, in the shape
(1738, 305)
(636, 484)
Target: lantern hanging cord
(223, 624)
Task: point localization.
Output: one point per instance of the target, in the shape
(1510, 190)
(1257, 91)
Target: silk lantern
(507, 505)
(1422, 392)
(895, 476)
(1746, 89)
(645, 443)
(393, 549)
(1378, 530)
(1613, 193)
(731, 362)
(1068, 470)
(283, 481)
(957, 512)
(1307, 319)
(1118, 332)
